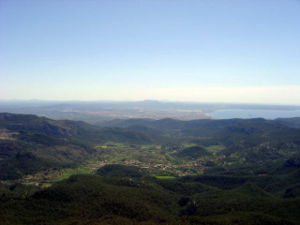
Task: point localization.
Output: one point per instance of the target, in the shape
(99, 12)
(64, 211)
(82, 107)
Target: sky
(243, 51)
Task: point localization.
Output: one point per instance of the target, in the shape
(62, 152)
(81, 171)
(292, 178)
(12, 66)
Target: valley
(146, 172)
(161, 160)
(149, 112)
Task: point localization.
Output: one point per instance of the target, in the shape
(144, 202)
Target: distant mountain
(291, 122)
(249, 144)
(225, 130)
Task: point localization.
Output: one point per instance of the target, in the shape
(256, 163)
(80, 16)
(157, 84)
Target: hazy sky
(195, 50)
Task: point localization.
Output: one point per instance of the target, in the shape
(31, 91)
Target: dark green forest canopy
(93, 199)
(249, 172)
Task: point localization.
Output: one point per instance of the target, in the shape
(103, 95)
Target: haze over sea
(254, 113)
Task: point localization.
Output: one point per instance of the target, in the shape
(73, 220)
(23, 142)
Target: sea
(254, 113)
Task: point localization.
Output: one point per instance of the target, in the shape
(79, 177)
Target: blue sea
(254, 113)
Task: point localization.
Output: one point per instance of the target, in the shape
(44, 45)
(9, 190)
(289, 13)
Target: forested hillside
(29, 143)
(240, 172)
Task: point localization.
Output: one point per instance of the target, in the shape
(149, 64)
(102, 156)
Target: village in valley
(160, 160)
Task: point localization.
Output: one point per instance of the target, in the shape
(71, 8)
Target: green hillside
(29, 144)
(146, 172)
(92, 199)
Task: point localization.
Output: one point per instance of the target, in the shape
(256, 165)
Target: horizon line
(146, 100)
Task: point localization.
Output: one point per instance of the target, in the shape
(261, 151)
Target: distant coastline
(254, 113)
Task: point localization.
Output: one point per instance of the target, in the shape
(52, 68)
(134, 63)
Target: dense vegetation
(29, 143)
(94, 199)
(240, 172)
